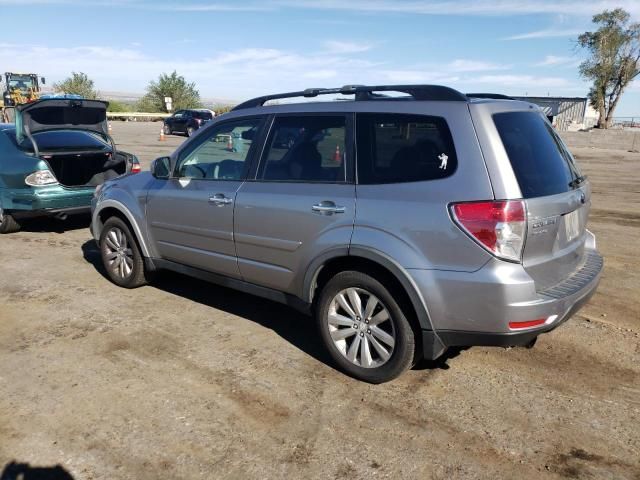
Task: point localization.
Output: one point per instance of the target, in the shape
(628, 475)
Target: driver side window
(223, 153)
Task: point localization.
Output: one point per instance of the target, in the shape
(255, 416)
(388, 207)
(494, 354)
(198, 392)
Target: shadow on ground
(55, 225)
(293, 326)
(23, 471)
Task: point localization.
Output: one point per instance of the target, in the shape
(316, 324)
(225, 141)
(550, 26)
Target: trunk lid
(557, 196)
(61, 114)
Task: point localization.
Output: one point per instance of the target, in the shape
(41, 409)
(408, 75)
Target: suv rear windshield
(540, 161)
(398, 148)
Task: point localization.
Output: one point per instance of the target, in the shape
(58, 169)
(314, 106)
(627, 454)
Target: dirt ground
(187, 380)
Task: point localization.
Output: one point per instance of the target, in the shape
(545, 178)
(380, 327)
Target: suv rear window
(540, 161)
(202, 115)
(395, 148)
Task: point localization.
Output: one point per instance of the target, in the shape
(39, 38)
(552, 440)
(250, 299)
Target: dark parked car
(187, 121)
(53, 158)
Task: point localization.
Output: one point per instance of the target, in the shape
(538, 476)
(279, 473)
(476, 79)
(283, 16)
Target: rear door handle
(327, 208)
(220, 199)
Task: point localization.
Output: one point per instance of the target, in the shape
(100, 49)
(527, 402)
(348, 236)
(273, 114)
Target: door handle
(327, 208)
(220, 200)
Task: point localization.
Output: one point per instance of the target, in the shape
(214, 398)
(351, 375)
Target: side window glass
(395, 148)
(223, 154)
(306, 149)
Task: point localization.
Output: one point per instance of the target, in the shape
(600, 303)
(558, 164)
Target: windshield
(20, 82)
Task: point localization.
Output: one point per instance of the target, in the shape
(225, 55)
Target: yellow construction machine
(19, 88)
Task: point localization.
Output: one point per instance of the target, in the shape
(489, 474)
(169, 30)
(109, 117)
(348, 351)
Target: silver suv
(406, 224)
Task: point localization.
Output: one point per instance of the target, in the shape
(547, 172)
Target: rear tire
(8, 224)
(190, 131)
(364, 328)
(121, 255)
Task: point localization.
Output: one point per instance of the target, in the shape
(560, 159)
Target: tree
(613, 62)
(183, 94)
(118, 107)
(79, 84)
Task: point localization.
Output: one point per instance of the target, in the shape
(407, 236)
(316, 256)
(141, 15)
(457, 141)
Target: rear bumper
(56, 198)
(569, 305)
(50, 212)
(475, 308)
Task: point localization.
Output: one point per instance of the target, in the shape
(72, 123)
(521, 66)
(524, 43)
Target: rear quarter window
(397, 148)
(540, 162)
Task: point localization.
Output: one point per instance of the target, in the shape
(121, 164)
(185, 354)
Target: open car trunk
(86, 169)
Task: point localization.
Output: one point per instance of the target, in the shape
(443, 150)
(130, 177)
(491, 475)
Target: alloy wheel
(118, 254)
(361, 328)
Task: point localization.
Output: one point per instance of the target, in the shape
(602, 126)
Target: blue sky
(239, 49)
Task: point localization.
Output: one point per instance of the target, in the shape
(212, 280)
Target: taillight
(198, 121)
(136, 168)
(498, 226)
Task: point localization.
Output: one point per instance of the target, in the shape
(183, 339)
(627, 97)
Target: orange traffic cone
(337, 156)
(162, 137)
(110, 129)
(230, 144)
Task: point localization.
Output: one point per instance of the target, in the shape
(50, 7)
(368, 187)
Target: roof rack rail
(496, 96)
(366, 92)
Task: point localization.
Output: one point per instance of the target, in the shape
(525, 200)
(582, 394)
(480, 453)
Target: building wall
(568, 113)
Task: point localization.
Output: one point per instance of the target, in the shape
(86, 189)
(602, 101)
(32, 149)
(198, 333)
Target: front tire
(8, 224)
(121, 255)
(167, 130)
(364, 328)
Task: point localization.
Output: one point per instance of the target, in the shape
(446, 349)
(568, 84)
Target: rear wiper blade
(577, 181)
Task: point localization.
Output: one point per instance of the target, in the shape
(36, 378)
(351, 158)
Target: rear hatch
(61, 114)
(557, 196)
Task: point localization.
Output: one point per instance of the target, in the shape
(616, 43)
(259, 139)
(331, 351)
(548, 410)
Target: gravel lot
(184, 379)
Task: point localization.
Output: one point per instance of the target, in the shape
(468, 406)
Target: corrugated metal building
(565, 113)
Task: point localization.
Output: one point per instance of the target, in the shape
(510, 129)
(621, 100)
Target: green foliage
(184, 94)
(613, 62)
(220, 109)
(116, 106)
(79, 84)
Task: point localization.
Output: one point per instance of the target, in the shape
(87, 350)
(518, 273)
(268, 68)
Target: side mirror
(161, 167)
(43, 80)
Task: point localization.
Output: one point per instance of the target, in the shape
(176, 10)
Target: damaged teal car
(53, 158)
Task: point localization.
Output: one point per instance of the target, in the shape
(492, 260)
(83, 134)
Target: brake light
(498, 226)
(198, 121)
(136, 168)
(527, 324)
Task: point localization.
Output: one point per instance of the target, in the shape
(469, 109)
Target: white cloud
(463, 65)
(340, 47)
(248, 72)
(570, 8)
(321, 74)
(522, 81)
(547, 33)
(558, 61)
(468, 7)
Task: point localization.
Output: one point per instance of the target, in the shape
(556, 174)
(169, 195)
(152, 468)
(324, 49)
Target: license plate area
(572, 225)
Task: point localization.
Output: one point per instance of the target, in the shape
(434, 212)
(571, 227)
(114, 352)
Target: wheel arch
(109, 208)
(363, 258)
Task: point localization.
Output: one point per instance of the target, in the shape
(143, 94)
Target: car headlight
(41, 178)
